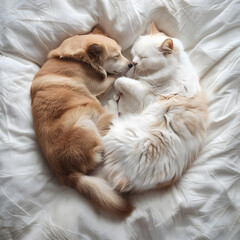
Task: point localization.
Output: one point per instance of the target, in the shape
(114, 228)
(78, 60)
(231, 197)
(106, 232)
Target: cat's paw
(120, 81)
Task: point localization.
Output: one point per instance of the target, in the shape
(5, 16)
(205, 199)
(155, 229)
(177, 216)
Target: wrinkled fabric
(204, 204)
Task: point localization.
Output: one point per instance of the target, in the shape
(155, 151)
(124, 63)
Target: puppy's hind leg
(104, 122)
(98, 155)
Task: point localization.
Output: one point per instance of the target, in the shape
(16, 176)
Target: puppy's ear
(167, 46)
(55, 53)
(98, 30)
(95, 52)
(71, 48)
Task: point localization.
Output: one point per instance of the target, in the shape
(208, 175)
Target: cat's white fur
(161, 117)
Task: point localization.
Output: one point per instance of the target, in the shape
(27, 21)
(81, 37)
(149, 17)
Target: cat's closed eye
(142, 56)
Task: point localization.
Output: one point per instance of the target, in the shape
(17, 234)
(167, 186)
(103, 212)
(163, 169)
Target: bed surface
(204, 204)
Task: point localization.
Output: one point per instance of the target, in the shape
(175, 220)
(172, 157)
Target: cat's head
(153, 52)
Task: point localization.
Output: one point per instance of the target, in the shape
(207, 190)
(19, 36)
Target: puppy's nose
(134, 63)
(130, 65)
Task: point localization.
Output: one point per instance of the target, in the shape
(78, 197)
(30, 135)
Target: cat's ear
(154, 29)
(167, 46)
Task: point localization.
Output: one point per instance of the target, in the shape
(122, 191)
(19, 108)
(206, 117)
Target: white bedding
(204, 204)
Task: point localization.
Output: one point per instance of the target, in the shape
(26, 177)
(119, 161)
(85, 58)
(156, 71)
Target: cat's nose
(134, 63)
(130, 65)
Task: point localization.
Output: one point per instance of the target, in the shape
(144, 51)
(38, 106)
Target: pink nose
(134, 63)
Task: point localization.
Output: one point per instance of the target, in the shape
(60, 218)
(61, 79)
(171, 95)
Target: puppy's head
(96, 49)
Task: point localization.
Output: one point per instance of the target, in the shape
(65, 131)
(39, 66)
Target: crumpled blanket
(204, 204)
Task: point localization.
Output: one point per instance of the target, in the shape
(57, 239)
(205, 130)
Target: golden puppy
(69, 120)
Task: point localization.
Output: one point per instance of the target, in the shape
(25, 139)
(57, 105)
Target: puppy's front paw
(111, 107)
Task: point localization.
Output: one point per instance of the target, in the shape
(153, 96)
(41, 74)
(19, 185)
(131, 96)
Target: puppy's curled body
(68, 119)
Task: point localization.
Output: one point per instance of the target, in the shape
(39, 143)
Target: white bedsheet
(204, 204)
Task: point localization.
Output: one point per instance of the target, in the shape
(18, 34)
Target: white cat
(163, 117)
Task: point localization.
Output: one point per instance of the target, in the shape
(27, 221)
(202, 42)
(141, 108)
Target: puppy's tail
(99, 192)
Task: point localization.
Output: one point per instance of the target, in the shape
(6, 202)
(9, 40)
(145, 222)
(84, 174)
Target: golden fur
(69, 120)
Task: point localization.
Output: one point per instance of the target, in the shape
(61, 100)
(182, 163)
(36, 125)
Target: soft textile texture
(204, 204)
